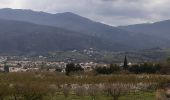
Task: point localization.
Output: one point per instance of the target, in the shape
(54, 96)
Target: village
(40, 65)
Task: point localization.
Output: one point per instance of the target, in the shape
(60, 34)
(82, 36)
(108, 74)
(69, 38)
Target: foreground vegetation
(145, 81)
(58, 86)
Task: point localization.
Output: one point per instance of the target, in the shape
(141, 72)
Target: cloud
(113, 12)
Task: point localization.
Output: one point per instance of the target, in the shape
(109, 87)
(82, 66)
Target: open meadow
(57, 86)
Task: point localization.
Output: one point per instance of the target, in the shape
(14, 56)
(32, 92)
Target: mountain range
(27, 31)
(158, 29)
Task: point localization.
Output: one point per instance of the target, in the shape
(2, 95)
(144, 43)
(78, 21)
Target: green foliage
(108, 70)
(6, 68)
(148, 68)
(114, 68)
(71, 67)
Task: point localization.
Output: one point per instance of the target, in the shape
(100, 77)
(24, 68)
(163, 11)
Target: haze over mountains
(26, 31)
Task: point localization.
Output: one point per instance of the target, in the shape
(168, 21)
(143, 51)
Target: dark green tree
(114, 68)
(125, 65)
(70, 68)
(73, 68)
(6, 68)
(78, 67)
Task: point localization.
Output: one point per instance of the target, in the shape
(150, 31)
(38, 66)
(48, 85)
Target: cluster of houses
(27, 66)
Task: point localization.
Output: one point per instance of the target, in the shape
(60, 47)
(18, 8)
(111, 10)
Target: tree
(73, 68)
(69, 68)
(116, 90)
(148, 68)
(108, 70)
(125, 65)
(78, 68)
(114, 68)
(43, 66)
(6, 68)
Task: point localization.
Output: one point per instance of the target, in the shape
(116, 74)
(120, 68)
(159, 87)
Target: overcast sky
(113, 12)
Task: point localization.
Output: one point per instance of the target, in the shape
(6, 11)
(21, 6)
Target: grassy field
(137, 96)
(57, 86)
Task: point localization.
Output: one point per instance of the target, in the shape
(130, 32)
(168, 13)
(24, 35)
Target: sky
(112, 12)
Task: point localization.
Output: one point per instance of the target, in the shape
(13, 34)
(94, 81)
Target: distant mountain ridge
(159, 29)
(45, 32)
(21, 37)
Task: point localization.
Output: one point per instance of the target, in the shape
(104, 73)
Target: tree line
(145, 68)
